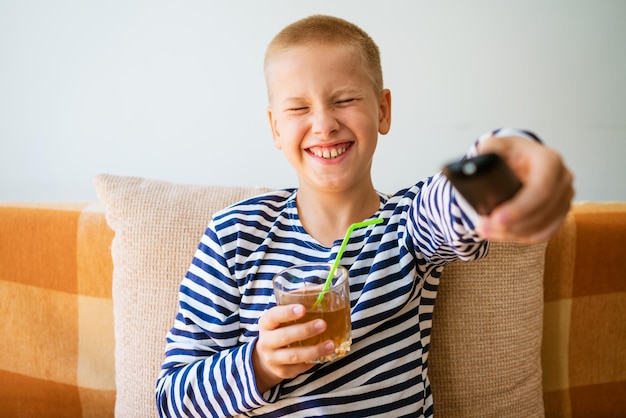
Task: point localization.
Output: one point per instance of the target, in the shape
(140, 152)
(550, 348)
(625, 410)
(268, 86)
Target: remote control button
(469, 168)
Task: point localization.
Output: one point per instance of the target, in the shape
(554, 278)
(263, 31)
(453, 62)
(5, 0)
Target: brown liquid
(334, 310)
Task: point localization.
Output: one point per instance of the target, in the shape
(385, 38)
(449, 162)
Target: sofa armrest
(584, 340)
(55, 290)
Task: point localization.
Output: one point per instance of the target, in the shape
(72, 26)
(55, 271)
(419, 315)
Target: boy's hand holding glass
(278, 354)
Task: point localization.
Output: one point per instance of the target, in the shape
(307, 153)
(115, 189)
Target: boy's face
(325, 115)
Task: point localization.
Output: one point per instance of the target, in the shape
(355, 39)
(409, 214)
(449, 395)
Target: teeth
(329, 153)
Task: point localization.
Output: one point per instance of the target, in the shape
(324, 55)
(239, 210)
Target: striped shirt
(394, 270)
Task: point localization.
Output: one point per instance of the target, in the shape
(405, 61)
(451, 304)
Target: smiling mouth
(329, 153)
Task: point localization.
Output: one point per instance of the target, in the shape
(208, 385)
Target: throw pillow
(157, 228)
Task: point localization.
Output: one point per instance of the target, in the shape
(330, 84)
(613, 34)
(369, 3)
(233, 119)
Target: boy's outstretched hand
(538, 209)
(272, 360)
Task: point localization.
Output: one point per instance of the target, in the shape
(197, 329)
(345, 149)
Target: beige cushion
(487, 325)
(157, 228)
(485, 356)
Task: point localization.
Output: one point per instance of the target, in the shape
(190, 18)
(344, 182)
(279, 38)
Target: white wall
(174, 89)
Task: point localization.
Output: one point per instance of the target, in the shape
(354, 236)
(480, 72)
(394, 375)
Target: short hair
(329, 30)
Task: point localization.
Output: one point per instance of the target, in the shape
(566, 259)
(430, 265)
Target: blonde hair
(329, 30)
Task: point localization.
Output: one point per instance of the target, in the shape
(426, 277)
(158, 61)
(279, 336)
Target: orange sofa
(88, 291)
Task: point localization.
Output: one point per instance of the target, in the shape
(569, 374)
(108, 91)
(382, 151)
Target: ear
(384, 111)
(274, 128)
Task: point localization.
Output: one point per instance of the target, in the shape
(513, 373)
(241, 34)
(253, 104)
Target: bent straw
(344, 243)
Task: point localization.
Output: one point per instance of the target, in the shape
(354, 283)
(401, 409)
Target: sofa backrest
(59, 291)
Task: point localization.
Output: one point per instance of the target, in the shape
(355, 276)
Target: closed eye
(297, 110)
(346, 101)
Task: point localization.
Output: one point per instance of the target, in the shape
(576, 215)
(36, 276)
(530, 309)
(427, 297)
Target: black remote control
(484, 181)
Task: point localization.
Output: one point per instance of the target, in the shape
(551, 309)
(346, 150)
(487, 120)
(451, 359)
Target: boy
(227, 353)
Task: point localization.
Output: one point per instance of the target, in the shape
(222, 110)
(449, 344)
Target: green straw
(344, 243)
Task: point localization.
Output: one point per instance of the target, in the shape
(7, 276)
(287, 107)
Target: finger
(542, 232)
(294, 333)
(527, 222)
(304, 354)
(276, 327)
(274, 317)
(539, 230)
(533, 224)
(289, 362)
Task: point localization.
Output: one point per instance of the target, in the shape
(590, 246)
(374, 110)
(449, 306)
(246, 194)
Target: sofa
(88, 291)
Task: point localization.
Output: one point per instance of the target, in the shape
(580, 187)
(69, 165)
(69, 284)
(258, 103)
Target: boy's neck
(326, 216)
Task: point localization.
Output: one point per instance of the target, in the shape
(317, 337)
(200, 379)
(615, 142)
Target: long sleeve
(207, 371)
(442, 224)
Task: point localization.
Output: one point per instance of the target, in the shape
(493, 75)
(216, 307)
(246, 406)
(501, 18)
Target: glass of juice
(304, 284)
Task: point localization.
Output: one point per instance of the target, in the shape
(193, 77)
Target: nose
(324, 123)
